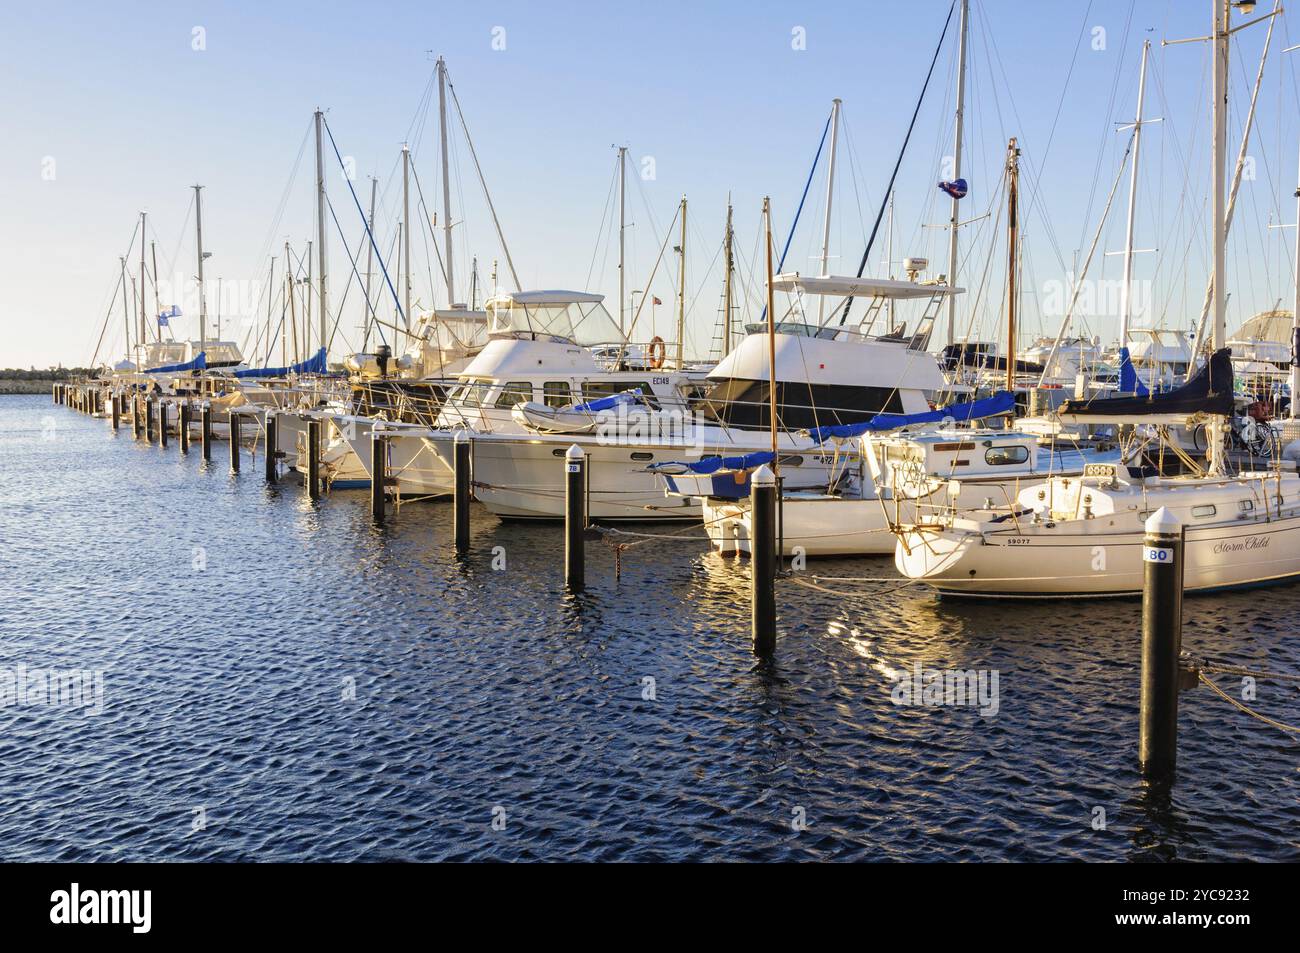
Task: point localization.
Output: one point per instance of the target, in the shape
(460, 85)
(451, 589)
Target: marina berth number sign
(1157, 554)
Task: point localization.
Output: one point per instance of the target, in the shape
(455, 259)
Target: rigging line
(600, 231)
(451, 88)
(428, 221)
(353, 192)
(866, 254)
(343, 300)
(780, 266)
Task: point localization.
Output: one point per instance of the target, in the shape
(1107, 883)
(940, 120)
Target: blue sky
(714, 93)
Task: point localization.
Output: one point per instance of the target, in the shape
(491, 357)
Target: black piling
(162, 424)
(183, 426)
(135, 416)
(575, 518)
(116, 400)
(149, 419)
(378, 474)
(313, 459)
(762, 563)
(205, 430)
(235, 421)
(1162, 636)
(271, 449)
(461, 467)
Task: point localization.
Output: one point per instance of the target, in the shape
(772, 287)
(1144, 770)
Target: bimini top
(576, 316)
(860, 287)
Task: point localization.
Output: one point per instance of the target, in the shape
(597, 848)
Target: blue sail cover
(707, 465)
(606, 403)
(1003, 402)
(198, 364)
(315, 365)
(1128, 379)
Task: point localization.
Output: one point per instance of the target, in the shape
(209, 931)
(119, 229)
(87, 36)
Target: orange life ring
(658, 352)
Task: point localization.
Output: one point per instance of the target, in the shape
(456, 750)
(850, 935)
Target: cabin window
(744, 403)
(1202, 512)
(513, 393)
(1245, 505)
(557, 393)
(642, 456)
(595, 390)
(1006, 456)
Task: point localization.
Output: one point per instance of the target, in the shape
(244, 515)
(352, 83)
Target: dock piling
(116, 400)
(135, 416)
(235, 420)
(205, 430)
(313, 459)
(762, 548)
(183, 425)
(461, 468)
(149, 419)
(378, 474)
(271, 449)
(575, 522)
(1162, 636)
(162, 424)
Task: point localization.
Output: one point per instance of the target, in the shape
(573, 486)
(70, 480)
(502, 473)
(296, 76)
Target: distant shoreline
(26, 387)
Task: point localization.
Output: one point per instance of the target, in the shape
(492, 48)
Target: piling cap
(574, 453)
(462, 436)
(763, 476)
(1163, 523)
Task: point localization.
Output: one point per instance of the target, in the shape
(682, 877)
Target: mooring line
(1249, 711)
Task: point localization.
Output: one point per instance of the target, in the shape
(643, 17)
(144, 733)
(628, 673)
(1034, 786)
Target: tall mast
(771, 333)
(306, 319)
(293, 304)
(157, 304)
(830, 193)
(1218, 149)
(370, 259)
(406, 235)
(889, 257)
(726, 285)
(126, 313)
(320, 227)
(1013, 227)
(622, 226)
(288, 294)
(144, 323)
(270, 298)
(953, 222)
(1126, 290)
(1295, 315)
(681, 294)
(203, 301)
(446, 184)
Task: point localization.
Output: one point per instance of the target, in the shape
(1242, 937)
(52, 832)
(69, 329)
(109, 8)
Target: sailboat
(1083, 536)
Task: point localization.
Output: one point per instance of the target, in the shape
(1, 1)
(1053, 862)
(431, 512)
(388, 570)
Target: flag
(956, 188)
(173, 312)
(656, 300)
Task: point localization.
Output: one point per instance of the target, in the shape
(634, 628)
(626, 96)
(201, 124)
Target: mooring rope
(1249, 711)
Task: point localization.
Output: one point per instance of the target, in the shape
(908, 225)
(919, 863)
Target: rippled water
(231, 621)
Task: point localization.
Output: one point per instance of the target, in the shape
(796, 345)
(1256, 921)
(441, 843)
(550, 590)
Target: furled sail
(199, 363)
(314, 365)
(1208, 392)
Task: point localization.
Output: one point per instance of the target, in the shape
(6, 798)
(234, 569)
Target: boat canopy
(314, 365)
(1003, 402)
(199, 363)
(576, 316)
(860, 287)
(707, 465)
(1208, 392)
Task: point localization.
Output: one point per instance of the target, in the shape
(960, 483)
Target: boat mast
(406, 234)
(726, 285)
(293, 305)
(446, 183)
(1013, 226)
(157, 304)
(622, 227)
(830, 194)
(1219, 106)
(320, 226)
(681, 294)
(306, 299)
(1295, 315)
(270, 299)
(771, 333)
(126, 313)
(1126, 289)
(144, 323)
(956, 170)
(203, 301)
(889, 256)
(370, 260)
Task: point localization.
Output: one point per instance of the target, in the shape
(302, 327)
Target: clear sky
(110, 109)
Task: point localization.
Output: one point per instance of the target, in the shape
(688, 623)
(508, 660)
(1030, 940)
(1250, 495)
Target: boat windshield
(562, 315)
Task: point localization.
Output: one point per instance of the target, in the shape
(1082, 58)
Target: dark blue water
(233, 624)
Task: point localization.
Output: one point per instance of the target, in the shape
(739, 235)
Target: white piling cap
(763, 476)
(1163, 522)
(462, 436)
(574, 453)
